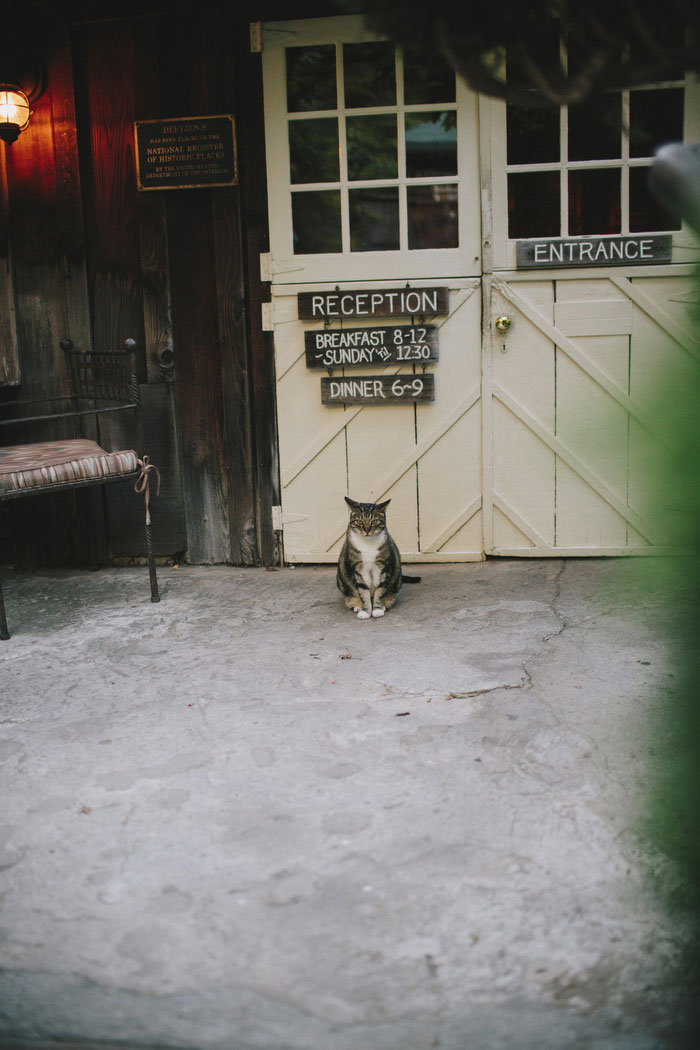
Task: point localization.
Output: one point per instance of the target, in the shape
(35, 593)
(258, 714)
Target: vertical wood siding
(46, 274)
(252, 164)
(84, 254)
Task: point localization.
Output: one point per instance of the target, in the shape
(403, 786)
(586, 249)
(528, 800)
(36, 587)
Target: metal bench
(100, 381)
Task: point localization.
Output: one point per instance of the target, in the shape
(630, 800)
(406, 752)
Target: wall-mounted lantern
(14, 112)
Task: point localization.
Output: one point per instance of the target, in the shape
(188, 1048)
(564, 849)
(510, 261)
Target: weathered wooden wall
(84, 254)
(46, 287)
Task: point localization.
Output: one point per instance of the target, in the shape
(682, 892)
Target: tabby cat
(369, 567)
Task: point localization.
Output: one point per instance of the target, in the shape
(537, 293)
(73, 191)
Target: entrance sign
(373, 302)
(377, 390)
(185, 153)
(348, 347)
(593, 251)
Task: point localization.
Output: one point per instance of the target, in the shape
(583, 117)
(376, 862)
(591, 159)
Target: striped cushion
(60, 462)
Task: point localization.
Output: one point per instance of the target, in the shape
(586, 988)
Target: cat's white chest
(368, 547)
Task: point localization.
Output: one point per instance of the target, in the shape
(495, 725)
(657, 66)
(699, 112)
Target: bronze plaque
(185, 153)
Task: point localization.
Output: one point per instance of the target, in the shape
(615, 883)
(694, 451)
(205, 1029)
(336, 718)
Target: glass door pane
(376, 144)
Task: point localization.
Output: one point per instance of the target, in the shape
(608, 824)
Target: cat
(369, 567)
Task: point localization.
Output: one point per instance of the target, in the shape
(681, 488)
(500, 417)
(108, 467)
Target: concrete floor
(242, 819)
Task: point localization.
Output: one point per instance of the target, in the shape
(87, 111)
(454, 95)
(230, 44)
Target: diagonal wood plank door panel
(571, 406)
(426, 458)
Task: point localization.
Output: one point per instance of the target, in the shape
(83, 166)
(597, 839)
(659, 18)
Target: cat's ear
(351, 503)
(381, 506)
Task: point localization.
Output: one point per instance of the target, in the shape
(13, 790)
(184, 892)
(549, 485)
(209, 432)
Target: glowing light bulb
(14, 112)
(8, 107)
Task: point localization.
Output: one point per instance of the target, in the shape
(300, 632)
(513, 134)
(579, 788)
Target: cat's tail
(410, 579)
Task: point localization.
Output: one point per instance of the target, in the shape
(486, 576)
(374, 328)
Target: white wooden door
(373, 183)
(549, 439)
(582, 392)
(579, 440)
(425, 457)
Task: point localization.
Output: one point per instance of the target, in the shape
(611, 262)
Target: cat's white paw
(362, 615)
(379, 611)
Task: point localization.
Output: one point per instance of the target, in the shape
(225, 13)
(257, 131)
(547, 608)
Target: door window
(385, 157)
(583, 170)
(370, 150)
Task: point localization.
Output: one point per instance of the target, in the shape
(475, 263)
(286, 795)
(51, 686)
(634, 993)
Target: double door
(544, 431)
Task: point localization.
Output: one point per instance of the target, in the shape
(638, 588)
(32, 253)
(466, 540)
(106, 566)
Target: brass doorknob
(503, 324)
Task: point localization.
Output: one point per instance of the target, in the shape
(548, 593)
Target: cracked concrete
(244, 820)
